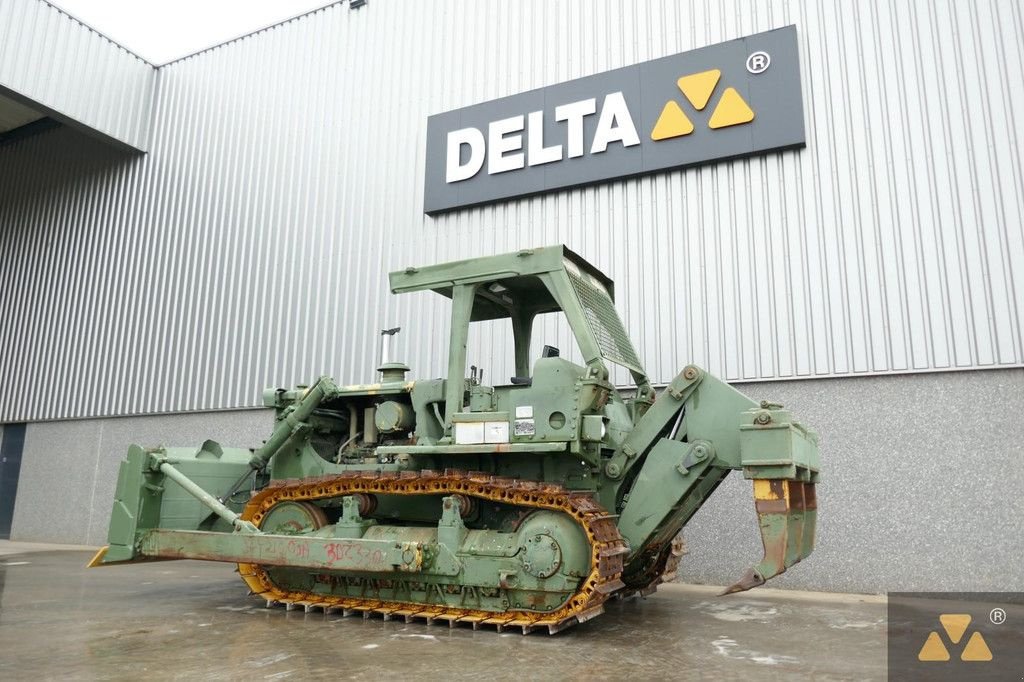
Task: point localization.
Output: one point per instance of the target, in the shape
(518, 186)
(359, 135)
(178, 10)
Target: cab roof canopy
(510, 281)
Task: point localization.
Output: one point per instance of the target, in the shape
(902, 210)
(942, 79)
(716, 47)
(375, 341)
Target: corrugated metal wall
(250, 246)
(74, 72)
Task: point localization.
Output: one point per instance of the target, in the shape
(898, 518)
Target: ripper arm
(698, 431)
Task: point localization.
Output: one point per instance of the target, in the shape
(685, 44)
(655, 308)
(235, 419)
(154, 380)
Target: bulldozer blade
(100, 559)
(97, 559)
(787, 514)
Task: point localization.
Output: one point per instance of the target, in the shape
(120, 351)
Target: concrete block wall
(920, 488)
(69, 468)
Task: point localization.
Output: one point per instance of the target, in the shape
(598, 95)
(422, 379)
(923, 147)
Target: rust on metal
(786, 533)
(366, 503)
(467, 505)
(608, 549)
(771, 506)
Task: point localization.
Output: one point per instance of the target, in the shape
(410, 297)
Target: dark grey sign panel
(733, 99)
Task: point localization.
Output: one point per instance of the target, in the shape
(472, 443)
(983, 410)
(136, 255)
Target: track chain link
(608, 548)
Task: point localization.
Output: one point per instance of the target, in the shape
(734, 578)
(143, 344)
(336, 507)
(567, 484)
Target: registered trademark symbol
(997, 616)
(758, 62)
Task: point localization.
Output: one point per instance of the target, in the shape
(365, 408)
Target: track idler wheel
(293, 517)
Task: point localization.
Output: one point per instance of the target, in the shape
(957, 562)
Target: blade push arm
(698, 431)
(291, 426)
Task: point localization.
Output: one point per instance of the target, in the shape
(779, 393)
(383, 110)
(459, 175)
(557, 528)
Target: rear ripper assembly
(526, 505)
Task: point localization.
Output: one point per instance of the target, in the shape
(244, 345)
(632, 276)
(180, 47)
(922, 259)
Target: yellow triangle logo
(933, 649)
(731, 110)
(976, 649)
(955, 625)
(672, 123)
(698, 87)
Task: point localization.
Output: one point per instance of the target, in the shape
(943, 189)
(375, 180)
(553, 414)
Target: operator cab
(547, 352)
(550, 404)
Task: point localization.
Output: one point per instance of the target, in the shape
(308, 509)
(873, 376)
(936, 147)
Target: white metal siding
(250, 247)
(54, 60)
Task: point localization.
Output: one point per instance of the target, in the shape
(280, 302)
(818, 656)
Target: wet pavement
(193, 620)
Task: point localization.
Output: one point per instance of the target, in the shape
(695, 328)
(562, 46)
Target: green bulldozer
(526, 505)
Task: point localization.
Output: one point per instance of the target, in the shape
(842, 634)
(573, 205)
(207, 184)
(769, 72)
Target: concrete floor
(192, 620)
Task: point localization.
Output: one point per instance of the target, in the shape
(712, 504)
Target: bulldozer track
(660, 569)
(608, 548)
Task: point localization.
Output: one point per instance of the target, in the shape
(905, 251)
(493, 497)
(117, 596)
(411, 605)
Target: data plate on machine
(525, 427)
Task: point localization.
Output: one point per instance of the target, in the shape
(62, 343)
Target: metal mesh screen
(604, 323)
